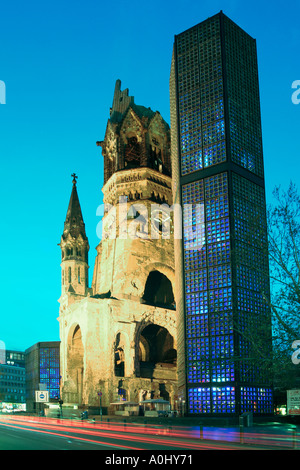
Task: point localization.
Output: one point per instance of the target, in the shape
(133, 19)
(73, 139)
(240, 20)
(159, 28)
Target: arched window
(69, 275)
(158, 290)
(156, 348)
(119, 357)
(75, 365)
(78, 273)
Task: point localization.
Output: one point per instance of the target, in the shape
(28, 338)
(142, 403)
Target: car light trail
(156, 435)
(35, 425)
(32, 429)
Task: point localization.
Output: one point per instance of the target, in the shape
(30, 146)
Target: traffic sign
(42, 396)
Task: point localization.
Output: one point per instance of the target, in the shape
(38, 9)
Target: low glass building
(42, 368)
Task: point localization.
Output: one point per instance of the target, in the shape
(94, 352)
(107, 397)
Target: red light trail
(136, 437)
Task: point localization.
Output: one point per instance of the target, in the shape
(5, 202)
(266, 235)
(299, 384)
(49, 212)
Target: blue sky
(59, 62)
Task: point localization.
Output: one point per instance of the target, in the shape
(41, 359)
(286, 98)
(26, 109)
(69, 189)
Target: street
(38, 433)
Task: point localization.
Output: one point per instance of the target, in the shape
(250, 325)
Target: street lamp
(100, 395)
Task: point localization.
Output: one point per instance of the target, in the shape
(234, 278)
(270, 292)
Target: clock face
(161, 222)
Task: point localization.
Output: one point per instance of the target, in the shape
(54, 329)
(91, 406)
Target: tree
(267, 334)
(284, 258)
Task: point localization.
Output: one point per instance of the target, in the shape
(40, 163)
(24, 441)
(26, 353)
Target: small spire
(74, 223)
(75, 177)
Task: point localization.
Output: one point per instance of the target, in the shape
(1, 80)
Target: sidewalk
(188, 421)
(220, 422)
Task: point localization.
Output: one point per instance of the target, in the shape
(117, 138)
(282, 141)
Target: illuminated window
(256, 399)
(49, 370)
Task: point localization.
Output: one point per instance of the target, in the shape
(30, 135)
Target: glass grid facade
(226, 265)
(202, 128)
(201, 98)
(49, 370)
(256, 399)
(208, 288)
(249, 211)
(243, 99)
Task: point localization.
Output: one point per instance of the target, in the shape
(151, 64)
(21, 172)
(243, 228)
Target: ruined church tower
(137, 185)
(118, 337)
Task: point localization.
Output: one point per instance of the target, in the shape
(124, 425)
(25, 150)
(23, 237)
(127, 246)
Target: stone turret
(74, 249)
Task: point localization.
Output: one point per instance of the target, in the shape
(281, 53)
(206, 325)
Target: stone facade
(118, 337)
